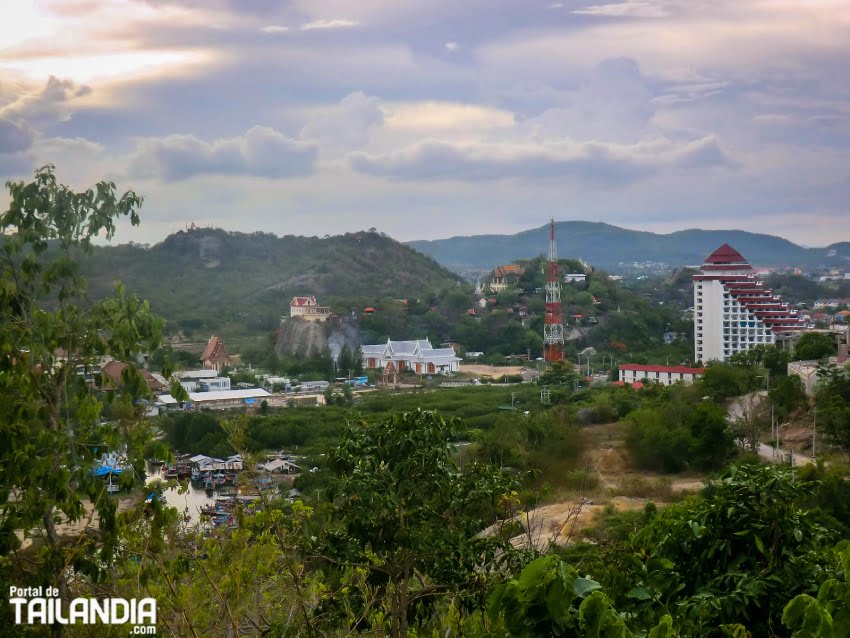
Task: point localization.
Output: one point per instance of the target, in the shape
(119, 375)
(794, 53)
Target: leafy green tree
(833, 404)
(712, 441)
(814, 345)
(723, 380)
(787, 394)
(736, 555)
(53, 434)
(408, 515)
(559, 373)
(357, 361)
(656, 441)
(828, 616)
(769, 356)
(345, 361)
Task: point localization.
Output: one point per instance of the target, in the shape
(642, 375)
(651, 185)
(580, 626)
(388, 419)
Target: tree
(357, 360)
(408, 515)
(735, 555)
(833, 403)
(345, 361)
(50, 416)
(787, 394)
(559, 373)
(814, 345)
(712, 439)
(723, 380)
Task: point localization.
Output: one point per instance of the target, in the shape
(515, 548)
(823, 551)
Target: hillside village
(571, 405)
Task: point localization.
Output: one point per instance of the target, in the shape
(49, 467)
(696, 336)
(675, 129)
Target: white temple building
(416, 356)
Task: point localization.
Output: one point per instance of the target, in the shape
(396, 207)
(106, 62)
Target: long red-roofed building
(665, 375)
(733, 311)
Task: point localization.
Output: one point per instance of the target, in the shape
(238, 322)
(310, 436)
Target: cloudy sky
(433, 118)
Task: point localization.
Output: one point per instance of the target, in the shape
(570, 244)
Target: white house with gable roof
(417, 356)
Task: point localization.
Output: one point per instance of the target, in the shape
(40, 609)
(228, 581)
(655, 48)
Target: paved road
(738, 406)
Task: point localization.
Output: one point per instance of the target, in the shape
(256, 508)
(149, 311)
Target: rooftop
(637, 367)
(725, 255)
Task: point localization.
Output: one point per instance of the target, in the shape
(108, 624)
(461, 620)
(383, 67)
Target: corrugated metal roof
(217, 395)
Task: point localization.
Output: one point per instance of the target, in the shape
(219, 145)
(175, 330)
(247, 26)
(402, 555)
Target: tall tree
(408, 515)
(814, 345)
(50, 416)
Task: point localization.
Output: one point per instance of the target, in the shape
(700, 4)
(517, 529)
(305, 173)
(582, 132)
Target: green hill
(206, 279)
(607, 246)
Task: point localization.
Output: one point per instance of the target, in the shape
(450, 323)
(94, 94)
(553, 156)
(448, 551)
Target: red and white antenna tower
(553, 321)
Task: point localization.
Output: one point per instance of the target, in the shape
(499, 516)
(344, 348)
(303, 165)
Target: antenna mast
(553, 321)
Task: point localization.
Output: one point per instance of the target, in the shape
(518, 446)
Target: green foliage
(550, 598)
(559, 373)
(833, 404)
(771, 357)
(787, 394)
(236, 283)
(726, 380)
(735, 555)
(663, 440)
(417, 543)
(814, 345)
(53, 433)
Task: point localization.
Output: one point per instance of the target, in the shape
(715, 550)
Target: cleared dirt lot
(620, 485)
(490, 371)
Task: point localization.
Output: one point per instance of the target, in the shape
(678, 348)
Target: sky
(433, 118)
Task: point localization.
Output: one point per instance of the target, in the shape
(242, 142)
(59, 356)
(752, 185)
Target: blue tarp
(103, 470)
(250, 401)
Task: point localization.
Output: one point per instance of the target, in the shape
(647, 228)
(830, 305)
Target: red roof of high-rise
(726, 255)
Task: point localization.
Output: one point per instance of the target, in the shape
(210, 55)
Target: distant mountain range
(607, 246)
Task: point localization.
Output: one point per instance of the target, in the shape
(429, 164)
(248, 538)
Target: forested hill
(205, 278)
(605, 246)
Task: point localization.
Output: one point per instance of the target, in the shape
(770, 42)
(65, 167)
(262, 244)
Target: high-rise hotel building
(733, 311)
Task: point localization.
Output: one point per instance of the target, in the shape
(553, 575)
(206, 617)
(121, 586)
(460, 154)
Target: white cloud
(451, 46)
(345, 125)
(274, 28)
(329, 24)
(261, 152)
(590, 162)
(629, 8)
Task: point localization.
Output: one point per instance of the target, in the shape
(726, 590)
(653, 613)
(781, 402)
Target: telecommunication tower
(553, 321)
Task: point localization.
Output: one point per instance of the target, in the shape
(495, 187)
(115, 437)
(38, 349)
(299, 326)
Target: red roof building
(214, 356)
(308, 308)
(113, 371)
(666, 375)
(733, 311)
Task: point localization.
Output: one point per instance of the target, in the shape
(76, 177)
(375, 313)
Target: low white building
(416, 356)
(189, 378)
(216, 400)
(214, 384)
(665, 375)
(574, 277)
